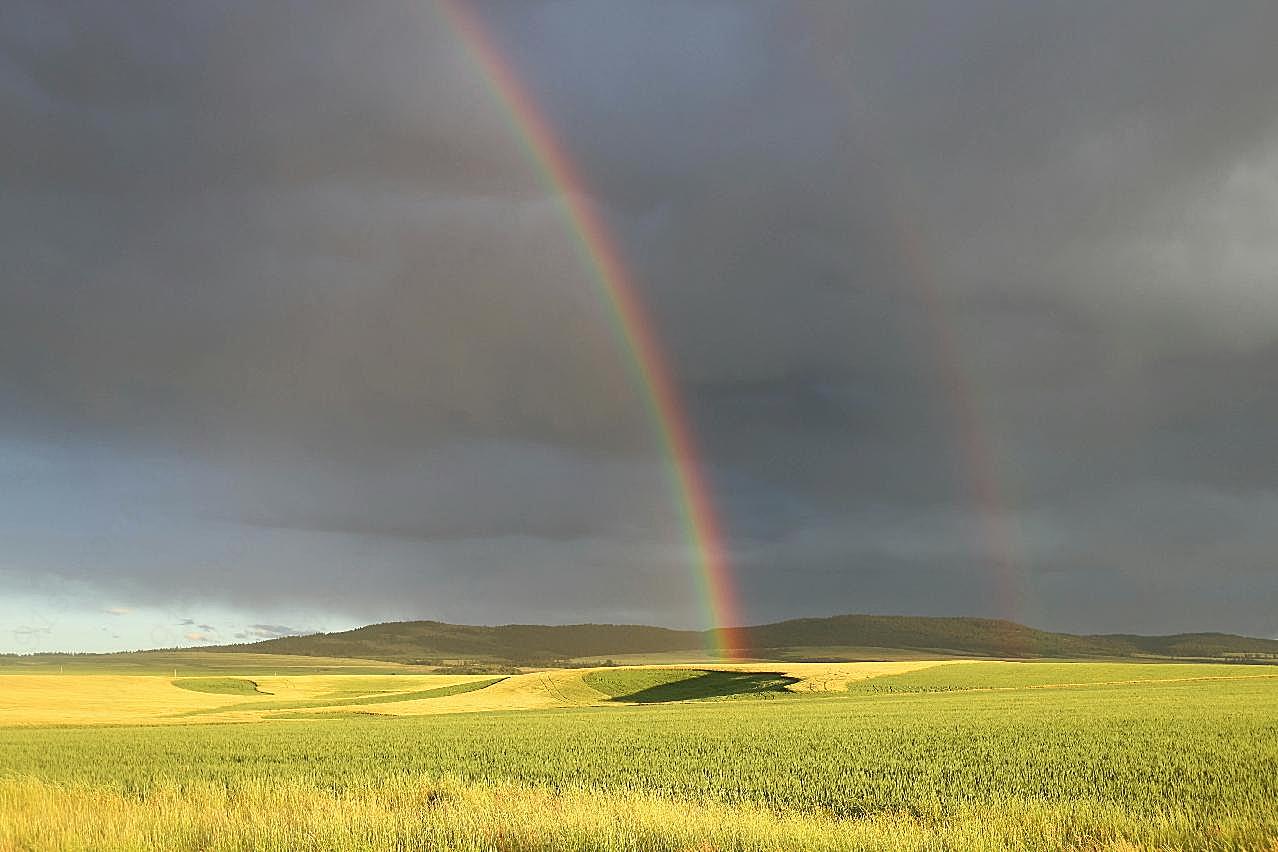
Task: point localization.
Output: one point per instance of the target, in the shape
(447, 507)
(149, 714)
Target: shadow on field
(710, 684)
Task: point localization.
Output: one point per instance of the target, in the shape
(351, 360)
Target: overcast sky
(974, 305)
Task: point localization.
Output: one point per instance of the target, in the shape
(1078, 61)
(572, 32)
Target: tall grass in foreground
(447, 814)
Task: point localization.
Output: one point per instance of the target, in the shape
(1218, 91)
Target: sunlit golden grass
(559, 688)
(152, 699)
(343, 687)
(129, 699)
(97, 699)
(449, 814)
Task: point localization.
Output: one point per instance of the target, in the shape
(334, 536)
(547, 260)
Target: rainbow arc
(632, 325)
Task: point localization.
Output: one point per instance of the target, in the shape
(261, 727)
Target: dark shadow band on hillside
(710, 684)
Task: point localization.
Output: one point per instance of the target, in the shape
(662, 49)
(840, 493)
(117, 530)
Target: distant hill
(436, 642)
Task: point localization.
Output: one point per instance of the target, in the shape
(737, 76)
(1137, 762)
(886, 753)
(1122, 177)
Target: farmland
(918, 754)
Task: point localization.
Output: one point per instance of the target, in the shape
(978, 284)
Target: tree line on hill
(844, 636)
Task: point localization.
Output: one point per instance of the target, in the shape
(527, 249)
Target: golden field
(109, 699)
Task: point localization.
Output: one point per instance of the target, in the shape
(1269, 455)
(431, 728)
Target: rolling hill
(844, 636)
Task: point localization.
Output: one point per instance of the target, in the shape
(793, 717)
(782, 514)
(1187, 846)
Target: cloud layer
(289, 316)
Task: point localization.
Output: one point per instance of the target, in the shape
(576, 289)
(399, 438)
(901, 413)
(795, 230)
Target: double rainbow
(631, 323)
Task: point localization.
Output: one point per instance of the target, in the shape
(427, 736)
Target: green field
(957, 756)
(1005, 675)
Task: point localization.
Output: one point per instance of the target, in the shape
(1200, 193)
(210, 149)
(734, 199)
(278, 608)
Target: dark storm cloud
(288, 315)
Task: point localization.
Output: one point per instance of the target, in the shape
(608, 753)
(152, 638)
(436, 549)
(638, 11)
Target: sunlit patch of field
(560, 688)
(440, 690)
(98, 699)
(152, 699)
(544, 690)
(131, 699)
(344, 687)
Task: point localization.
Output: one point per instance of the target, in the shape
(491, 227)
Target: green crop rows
(1185, 764)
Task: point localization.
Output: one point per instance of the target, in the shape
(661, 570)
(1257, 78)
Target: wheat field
(83, 699)
(985, 756)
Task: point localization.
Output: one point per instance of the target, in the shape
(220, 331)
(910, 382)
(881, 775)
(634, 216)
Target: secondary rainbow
(631, 324)
(978, 461)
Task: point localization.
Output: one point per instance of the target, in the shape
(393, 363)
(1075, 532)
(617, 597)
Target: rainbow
(632, 326)
(976, 461)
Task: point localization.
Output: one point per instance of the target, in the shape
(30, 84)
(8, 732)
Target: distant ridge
(841, 636)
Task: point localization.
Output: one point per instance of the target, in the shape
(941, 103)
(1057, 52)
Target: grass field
(1015, 675)
(912, 755)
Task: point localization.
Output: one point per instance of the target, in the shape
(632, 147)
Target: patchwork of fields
(911, 754)
(114, 699)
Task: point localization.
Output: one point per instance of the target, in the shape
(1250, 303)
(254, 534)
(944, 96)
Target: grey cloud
(255, 632)
(291, 315)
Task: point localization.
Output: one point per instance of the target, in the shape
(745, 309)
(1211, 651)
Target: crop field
(160, 700)
(902, 755)
(1005, 675)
